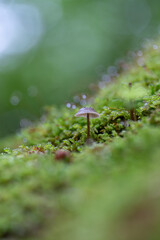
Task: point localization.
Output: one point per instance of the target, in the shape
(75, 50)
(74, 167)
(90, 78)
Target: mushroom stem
(132, 114)
(135, 115)
(88, 126)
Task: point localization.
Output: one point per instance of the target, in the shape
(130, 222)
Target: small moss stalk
(132, 110)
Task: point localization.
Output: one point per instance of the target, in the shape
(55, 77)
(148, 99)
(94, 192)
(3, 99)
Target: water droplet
(139, 53)
(14, 100)
(76, 99)
(25, 123)
(131, 54)
(106, 78)
(155, 47)
(24, 140)
(84, 96)
(83, 102)
(68, 105)
(112, 70)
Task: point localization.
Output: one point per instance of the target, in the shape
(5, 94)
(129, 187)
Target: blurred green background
(52, 50)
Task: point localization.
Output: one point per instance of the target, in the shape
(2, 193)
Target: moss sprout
(41, 193)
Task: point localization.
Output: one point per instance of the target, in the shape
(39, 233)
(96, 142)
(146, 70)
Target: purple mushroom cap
(84, 111)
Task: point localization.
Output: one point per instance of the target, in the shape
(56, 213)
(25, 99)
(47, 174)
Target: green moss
(97, 194)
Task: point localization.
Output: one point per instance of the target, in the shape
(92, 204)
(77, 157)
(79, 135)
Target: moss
(112, 184)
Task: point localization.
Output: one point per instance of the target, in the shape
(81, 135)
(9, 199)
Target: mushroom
(87, 113)
(62, 154)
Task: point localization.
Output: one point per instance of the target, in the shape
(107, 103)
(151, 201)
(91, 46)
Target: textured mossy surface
(108, 190)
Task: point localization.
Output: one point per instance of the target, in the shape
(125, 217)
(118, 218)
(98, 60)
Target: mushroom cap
(84, 111)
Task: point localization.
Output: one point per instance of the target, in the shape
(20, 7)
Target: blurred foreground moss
(110, 190)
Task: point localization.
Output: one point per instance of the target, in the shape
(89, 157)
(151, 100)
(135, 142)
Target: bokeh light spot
(20, 28)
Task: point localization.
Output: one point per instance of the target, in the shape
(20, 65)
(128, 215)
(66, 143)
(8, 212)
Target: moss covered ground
(107, 190)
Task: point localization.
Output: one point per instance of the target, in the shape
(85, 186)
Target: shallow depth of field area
(54, 50)
(109, 189)
(58, 180)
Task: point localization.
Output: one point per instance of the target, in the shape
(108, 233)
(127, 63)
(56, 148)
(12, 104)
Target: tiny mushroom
(62, 154)
(87, 113)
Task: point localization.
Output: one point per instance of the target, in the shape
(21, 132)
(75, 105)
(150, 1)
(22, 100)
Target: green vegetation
(109, 190)
(70, 45)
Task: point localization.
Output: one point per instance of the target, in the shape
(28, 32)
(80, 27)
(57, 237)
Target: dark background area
(51, 50)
